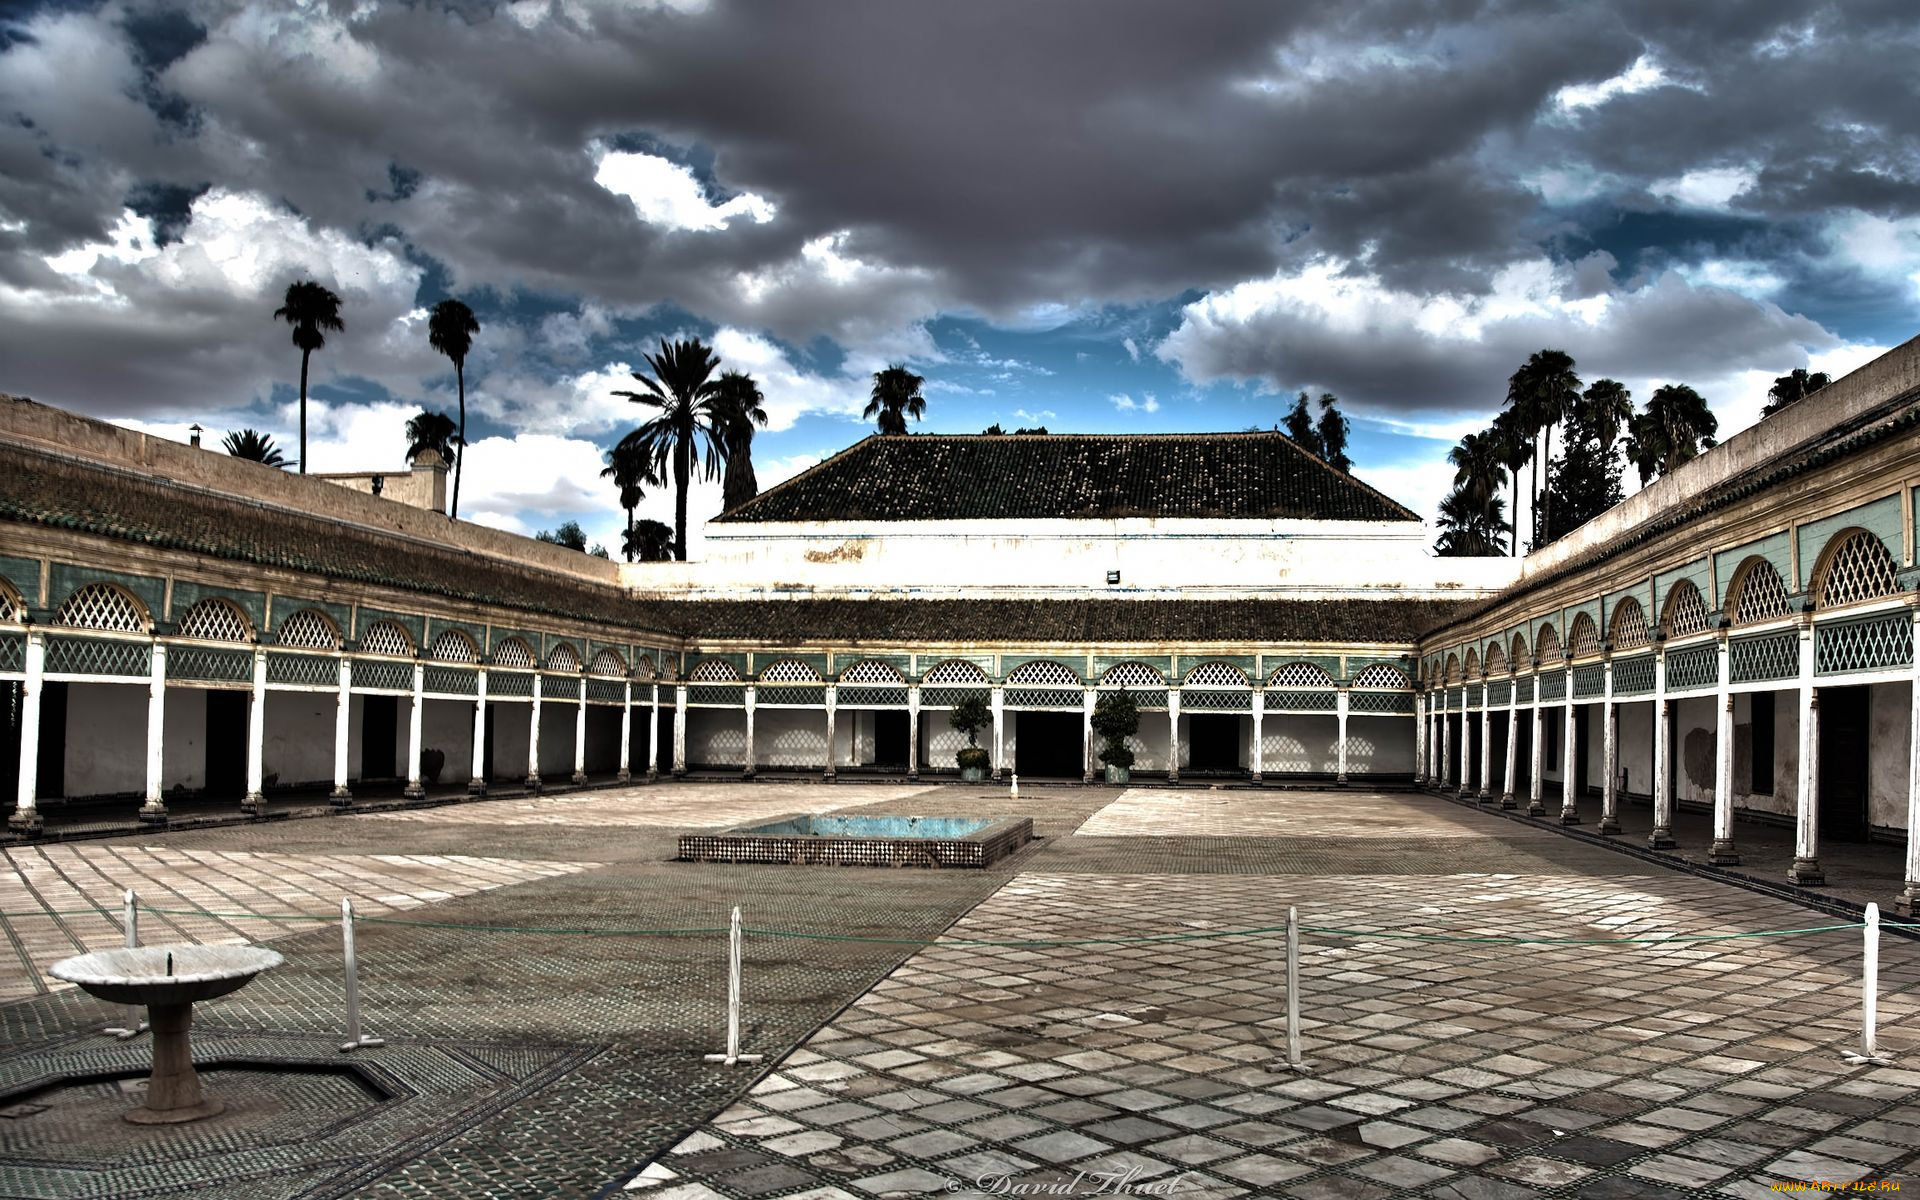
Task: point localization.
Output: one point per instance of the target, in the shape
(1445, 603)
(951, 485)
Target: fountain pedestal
(168, 980)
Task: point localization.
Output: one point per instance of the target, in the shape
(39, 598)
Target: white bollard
(1869, 995)
(1016, 787)
(733, 1054)
(130, 921)
(355, 1039)
(1294, 1060)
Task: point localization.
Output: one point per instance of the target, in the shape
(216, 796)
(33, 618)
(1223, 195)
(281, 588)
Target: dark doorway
(11, 694)
(1469, 747)
(486, 751)
(890, 739)
(1844, 721)
(51, 773)
(226, 766)
(1213, 742)
(379, 736)
(663, 729)
(1497, 752)
(1522, 733)
(1582, 745)
(1049, 745)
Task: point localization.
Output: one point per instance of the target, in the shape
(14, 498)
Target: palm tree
(681, 388)
(896, 396)
(450, 330)
(1544, 391)
(312, 310)
(432, 431)
(1470, 528)
(738, 408)
(254, 446)
(1792, 388)
(648, 541)
(1478, 471)
(1675, 427)
(631, 472)
(1606, 407)
(1512, 449)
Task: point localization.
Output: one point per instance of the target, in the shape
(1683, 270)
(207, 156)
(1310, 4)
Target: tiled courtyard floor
(944, 1058)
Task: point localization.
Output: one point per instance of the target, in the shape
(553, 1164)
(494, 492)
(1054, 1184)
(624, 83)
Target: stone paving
(566, 1059)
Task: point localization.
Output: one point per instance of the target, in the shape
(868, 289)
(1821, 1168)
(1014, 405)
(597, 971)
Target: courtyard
(1490, 1008)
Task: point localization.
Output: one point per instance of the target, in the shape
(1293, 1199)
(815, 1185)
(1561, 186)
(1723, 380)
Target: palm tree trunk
(1516, 514)
(682, 469)
(629, 544)
(304, 356)
(1541, 533)
(460, 455)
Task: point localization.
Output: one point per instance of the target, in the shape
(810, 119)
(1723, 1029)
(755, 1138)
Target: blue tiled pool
(874, 841)
(870, 827)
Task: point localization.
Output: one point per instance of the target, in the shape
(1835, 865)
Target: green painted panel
(473, 629)
(500, 633)
(1882, 517)
(1009, 663)
(926, 662)
(1699, 572)
(187, 593)
(762, 659)
(1161, 663)
(1776, 548)
(737, 661)
(24, 575)
(64, 580)
(285, 606)
(1248, 663)
(902, 663)
(414, 625)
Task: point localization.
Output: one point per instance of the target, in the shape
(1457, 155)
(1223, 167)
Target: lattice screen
(214, 620)
(871, 671)
(643, 668)
(1857, 569)
(714, 670)
(608, 662)
(1381, 676)
(1629, 626)
(1496, 660)
(1042, 674)
(1472, 665)
(1686, 611)
(453, 646)
(1302, 675)
(955, 671)
(1548, 646)
(1453, 668)
(309, 629)
(789, 670)
(384, 637)
(1215, 674)
(1518, 656)
(1758, 594)
(1132, 675)
(563, 657)
(11, 609)
(513, 653)
(1585, 638)
(102, 606)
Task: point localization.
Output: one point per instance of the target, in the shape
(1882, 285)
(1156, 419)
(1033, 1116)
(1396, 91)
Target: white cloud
(1709, 187)
(666, 194)
(1148, 403)
(790, 392)
(1132, 348)
(1035, 418)
(1643, 75)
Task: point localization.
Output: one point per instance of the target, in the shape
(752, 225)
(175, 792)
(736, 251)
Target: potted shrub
(432, 762)
(970, 716)
(1116, 719)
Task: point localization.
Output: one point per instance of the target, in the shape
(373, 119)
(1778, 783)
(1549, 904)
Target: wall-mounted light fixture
(194, 432)
(1113, 577)
(379, 484)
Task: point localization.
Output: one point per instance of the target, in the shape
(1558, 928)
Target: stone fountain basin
(139, 976)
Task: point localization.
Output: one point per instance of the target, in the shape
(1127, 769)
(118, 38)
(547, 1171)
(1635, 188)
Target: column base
(1340, 780)
(679, 772)
(153, 815)
(476, 787)
(1569, 816)
(26, 822)
(1535, 808)
(1607, 825)
(1661, 839)
(1806, 872)
(653, 776)
(254, 805)
(533, 784)
(579, 777)
(1482, 796)
(340, 797)
(829, 775)
(1254, 779)
(1722, 853)
(913, 776)
(1905, 903)
(1174, 777)
(1507, 801)
(746, 776)
(413, 790)
(623, 776)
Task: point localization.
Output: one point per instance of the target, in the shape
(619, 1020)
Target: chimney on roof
(430, 476)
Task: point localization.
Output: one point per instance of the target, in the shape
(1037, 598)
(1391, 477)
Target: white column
(580, 732)
(477, 778)
(1259, 737)
(750, 701)
(679, 729)
(626, 730)
(26, 812)
(1662, 836)
(1481, 776)
(1513, 739)
(256, 736)
(414, 787)
(1569, 786)
(533, 736)
(342, 721)
(1340, 732)
(154, 810)
(833, 706)
(1537, 754)
(1806, 826)
(1173, 735)
(1609, 755)
(1419, 738)
(913, 731)
(1086, 735)
(999, 700)
(653, 732)
(1446, 741)
(1909, 900)
(1723, 852)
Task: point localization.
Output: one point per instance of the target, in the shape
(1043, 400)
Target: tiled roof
(1075, 622)
(45, 489)
(948, 477)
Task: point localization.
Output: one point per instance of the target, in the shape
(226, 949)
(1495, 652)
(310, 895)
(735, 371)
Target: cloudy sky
(1096, 215)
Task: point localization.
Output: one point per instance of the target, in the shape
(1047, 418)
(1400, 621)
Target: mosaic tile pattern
(1167, 812)
(674, 806)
